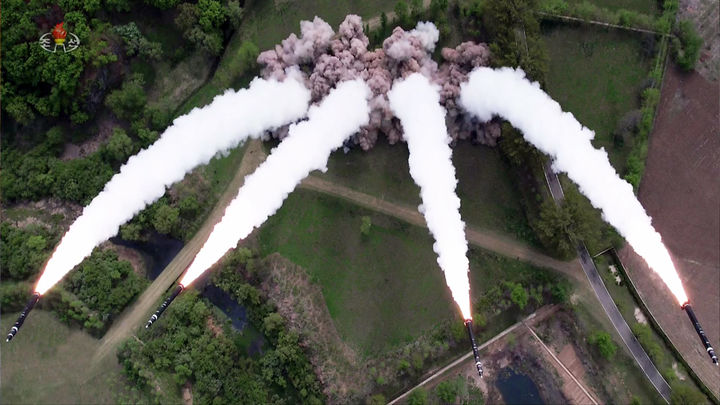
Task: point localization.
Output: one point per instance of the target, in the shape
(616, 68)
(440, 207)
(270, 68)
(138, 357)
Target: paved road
(637, 351)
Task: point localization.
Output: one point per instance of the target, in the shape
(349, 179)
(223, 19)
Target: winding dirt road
(480, 237)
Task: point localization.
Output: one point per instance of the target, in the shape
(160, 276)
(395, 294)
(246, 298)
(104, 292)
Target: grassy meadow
(597, 75)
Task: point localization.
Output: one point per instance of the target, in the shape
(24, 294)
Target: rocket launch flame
(307, 148)
(506, 92)
(417, 103)
(192, 140)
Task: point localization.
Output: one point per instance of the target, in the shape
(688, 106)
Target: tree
(128, 101)
(377, 399)
(22, 251)
(235, 13)
(686, 45)
(163, 4)
(519, 295)
(682, 394)
(165, 219)
(418, 397)
(402, 13)
(273, 323)
(120, 146)
(201, 23)
(604, 344)
(136, 43)
(447, 391)
(551, 227)
(248, 54)
(416, 9)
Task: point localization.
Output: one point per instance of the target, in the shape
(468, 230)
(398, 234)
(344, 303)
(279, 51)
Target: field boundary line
(543, 311)
(547, 349)
(600, 23)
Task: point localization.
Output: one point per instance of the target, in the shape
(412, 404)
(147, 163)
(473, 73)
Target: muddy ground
(680, 190)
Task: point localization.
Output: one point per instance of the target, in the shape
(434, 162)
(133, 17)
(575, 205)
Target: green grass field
(382, 171)
(597, 75)
(267, 24)
(489, 199)
(49, 362)
(649, 7)
(383, 289)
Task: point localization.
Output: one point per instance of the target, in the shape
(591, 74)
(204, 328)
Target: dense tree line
(220, 372)
(23, 251)
(104, 283)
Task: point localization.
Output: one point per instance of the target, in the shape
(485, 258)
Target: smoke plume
(330, 58)
(306, 148)
(193, 139)
(507, 93)
(417, 103)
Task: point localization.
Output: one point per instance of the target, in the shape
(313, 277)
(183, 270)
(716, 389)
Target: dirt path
(484, 238)
(135, 316)
(467, 360)
(576, 392)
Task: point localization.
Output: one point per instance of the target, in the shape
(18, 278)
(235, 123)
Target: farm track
(135, 316)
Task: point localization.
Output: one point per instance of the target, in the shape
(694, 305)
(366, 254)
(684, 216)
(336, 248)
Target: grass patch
(597, 75)
(382, 172)
(488, 195)
(50, 363)
(267, 24)
(649, 7)
(383, 289)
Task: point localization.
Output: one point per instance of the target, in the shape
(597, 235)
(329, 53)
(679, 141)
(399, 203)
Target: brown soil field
(680, 190)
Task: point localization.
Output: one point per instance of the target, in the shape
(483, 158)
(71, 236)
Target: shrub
(604, 344)
(686, 45)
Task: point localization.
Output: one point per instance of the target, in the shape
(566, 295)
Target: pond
(517, 389)
(158, 250)
(248, 338)
(221, 299)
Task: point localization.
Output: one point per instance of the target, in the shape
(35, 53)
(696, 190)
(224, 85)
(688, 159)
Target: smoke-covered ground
(326, 58)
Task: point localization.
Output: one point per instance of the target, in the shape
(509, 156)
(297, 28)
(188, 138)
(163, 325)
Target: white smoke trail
(193, 139)
(417, 103)
(507, 93)
(306, 148)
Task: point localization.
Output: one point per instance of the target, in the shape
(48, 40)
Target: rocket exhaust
(164, 305)
(478, 363)
(701, 333)
(21, 319)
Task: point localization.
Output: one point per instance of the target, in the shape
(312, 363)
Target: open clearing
(597, 75)
(382, 289)
(488, 195)
(49, 363)
(680, 192)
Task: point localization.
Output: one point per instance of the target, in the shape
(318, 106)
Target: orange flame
(59, 33)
